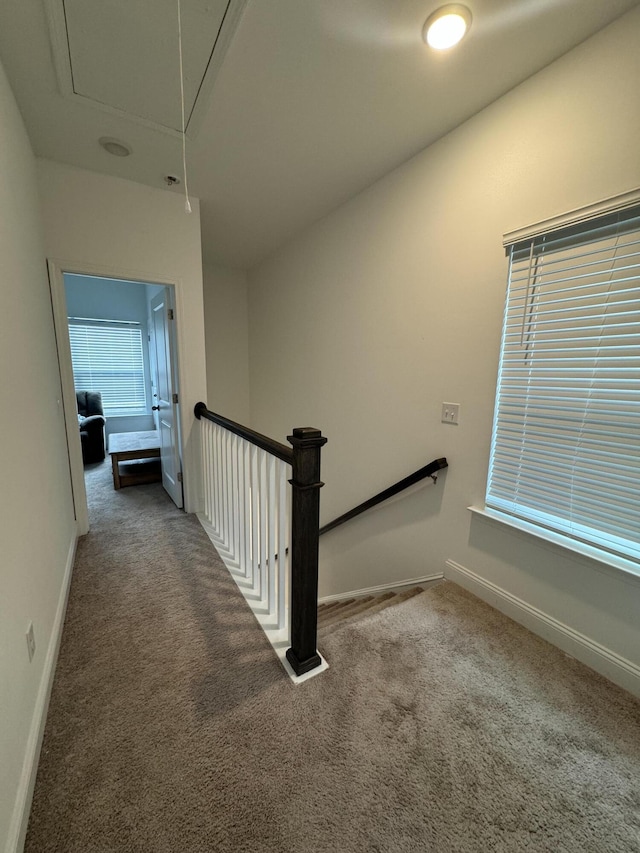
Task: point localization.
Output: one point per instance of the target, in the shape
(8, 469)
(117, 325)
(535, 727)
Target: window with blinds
(565, 450)
(109, 358)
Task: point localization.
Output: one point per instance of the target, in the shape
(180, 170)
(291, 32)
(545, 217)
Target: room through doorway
(124, 368)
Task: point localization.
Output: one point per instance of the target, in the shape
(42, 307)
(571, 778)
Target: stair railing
(266, 532)
(421, 474)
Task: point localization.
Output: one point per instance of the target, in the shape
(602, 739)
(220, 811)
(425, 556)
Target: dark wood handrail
(263, 441)
(428, 471)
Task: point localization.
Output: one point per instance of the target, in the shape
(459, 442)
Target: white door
(166, 388)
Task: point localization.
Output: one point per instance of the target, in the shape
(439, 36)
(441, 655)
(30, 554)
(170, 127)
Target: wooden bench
(125, 446)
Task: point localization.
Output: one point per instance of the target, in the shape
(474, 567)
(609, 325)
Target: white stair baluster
(241, 506)
(230, 438)
(233, 460)
(264, 533)
(247, 509)
(213, 484)
(272, 525)
(213, 476)
(223, 488)
(206, 470)
(216, 479)
(255, 521)
(220, 480)
(283, 545)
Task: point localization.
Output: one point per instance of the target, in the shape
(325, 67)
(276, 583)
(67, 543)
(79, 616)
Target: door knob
(155, 408)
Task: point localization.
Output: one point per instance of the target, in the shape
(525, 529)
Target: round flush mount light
(447, 26)
(115, 146)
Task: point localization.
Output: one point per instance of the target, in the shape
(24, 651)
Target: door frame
(56, 269)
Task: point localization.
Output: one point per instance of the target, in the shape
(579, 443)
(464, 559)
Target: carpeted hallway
(440, 726)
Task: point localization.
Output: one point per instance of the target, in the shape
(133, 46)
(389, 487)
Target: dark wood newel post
(305, 523)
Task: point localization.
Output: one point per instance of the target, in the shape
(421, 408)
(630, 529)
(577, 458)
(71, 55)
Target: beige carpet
(440, 726)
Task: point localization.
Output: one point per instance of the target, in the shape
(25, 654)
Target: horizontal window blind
(565, 450)
(109, 359)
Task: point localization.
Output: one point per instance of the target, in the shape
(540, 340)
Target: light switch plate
(450, 413)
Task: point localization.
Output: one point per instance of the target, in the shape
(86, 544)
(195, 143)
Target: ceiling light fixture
(447, 26)
(115, 146)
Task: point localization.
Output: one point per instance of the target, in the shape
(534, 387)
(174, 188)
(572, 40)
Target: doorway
(138, 377)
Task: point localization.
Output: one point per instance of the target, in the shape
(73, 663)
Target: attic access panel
(123, 55)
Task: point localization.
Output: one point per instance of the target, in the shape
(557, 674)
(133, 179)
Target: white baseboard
(427, 580)
(613, 666)
(24, 794)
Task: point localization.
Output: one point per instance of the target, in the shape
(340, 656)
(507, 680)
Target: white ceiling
(315, 99)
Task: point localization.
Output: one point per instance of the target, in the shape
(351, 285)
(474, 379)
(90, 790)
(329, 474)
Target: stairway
(335, 613)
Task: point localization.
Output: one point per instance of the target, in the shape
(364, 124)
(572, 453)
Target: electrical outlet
(450, 413)
(31, 642)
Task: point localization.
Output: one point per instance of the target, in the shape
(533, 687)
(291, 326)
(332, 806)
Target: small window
(108, 358)
(565, 452)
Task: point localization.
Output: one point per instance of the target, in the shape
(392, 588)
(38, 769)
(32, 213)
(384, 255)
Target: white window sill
(564, 543)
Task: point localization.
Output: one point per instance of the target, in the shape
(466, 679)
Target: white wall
(371, 319)
(37, 533)
(103, 225)
(112, 299)
(226, 325)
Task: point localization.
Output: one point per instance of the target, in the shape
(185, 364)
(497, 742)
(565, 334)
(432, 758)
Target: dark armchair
(91, 420)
